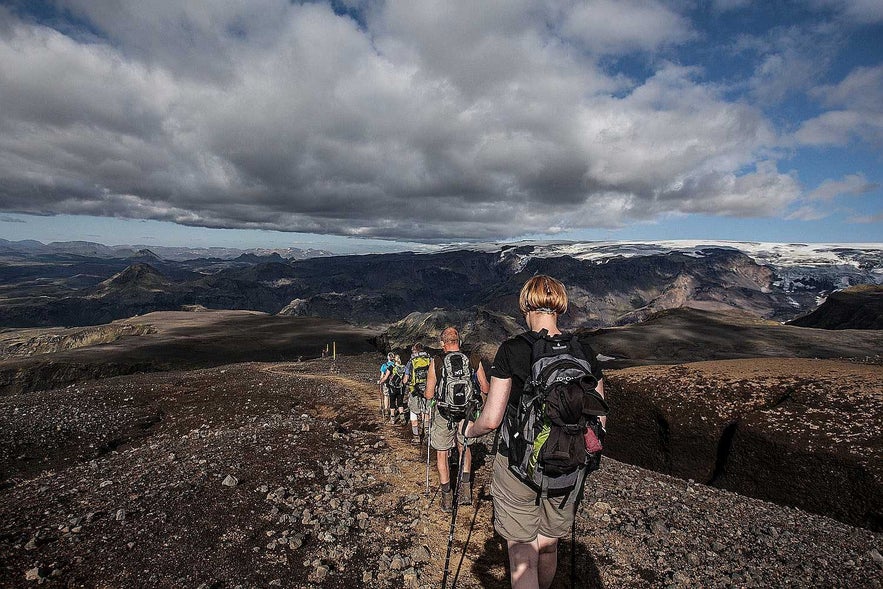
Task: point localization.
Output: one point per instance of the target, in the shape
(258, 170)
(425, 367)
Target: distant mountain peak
(146, 253)
(253, 258)
(137, 275)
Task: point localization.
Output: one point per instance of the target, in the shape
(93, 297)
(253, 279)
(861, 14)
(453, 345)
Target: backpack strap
(529, 337)
(438, 362)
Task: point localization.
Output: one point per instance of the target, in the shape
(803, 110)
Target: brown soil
(120, 483)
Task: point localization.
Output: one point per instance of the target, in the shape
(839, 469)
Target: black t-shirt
(513, 361)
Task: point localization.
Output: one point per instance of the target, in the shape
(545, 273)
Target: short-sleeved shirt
(513, 361)
(386, 366)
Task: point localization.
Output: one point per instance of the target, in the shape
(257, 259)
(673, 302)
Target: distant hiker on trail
(385, 373)
(456, 383)
(416, 373)
(536, 492)
(396, 387)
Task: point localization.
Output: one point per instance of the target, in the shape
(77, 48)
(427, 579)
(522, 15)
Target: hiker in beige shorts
(531, 528)
(443, 432)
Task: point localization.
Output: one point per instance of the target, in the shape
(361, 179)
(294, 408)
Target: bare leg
(523, 564)
(532, 565)
(548, 562)
(466, 457)
(444, 471)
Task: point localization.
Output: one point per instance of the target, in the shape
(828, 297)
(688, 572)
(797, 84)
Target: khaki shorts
(416, 404)
(442, 437)
(517, 517)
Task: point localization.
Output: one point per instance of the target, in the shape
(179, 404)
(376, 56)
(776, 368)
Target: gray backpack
(456, 391)
(548, 431)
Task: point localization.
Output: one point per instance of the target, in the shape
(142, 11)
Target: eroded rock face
(858, 307)
(801, 432)
(479, 329)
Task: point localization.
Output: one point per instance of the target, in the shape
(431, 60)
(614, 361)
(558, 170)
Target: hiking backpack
(553, 434)
(395, 377)
(419, 372)
(456, 391)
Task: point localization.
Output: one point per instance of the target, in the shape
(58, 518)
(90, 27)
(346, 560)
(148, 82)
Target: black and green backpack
(546, 433)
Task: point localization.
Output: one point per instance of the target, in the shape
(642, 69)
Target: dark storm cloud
(423, 120)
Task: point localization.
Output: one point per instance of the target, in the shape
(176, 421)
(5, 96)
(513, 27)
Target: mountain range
(609, 283)
(179, 254)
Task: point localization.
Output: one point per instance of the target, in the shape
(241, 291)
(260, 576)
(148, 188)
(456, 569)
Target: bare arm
(430, 381)
(492, 415)
(483, 383)
(600, 389)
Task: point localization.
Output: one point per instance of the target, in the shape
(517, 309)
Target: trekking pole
(456, 497)
(576, 502)
(428, 445)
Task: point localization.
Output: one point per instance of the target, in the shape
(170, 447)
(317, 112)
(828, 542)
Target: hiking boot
(415, 439)
(392, 420)
(447, 501)
(464, 495)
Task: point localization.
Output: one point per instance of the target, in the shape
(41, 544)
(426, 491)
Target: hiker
(452, 383)
(416, 373)
(396, 386)
(385, 373)
(530, 523)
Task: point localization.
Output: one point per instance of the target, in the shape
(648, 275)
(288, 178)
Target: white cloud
(788, 60)
(856, 110)
(817, 204)
(864, 219)
(852, 185)
(622, 26)
(860, 90)
(807, 213)
(865, 12)
(430, 120)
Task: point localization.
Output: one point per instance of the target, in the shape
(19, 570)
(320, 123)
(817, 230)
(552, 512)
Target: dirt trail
(478, 558)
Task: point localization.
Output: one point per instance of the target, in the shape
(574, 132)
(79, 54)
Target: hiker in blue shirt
(385, 373)
(395, 387)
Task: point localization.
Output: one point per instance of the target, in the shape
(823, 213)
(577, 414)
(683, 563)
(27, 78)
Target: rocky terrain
(690, 335)
(857, 307)
(280, 475)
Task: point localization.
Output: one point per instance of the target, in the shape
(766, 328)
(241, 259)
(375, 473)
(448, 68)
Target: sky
(358, 125)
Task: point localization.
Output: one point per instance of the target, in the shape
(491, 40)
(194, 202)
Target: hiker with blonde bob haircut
(532, 522)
